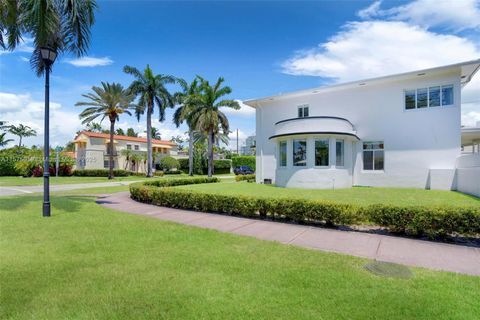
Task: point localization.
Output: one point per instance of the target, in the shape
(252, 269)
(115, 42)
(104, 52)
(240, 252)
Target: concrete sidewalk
(16, 190)
(433, 255)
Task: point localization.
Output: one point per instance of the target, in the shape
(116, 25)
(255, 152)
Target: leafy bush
(101, 173)
(158, 173)
(180, 181)
(183, 164)
(219, 166)
(173, 172)
(169, 164)
(244, 161)
(432, 222)
(245, 177)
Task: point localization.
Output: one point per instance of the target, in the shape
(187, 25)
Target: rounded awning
(314, 125)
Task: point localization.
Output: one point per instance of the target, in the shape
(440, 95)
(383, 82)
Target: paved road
(17, 190)
(433, 255)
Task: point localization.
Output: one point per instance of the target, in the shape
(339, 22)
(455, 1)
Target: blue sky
(260, 48)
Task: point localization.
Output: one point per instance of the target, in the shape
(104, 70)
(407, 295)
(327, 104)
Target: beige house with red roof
(92, 151)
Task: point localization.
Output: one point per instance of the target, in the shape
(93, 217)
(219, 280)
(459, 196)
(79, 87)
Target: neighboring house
(395, 131)
(92, 151)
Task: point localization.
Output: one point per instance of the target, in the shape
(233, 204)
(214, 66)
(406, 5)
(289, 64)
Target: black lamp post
(48, 57)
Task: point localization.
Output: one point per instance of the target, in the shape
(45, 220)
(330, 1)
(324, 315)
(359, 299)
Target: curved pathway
(419, 253)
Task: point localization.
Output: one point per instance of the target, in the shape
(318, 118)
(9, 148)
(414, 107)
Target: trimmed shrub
(244, 161)
(158, 173)
(245, 177)
(169, 164)
(220, 166)
(432, 222)
(173, 172)
(183, 164)
(102, 173)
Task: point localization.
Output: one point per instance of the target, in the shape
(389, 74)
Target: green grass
(357, 195)
(89, 262)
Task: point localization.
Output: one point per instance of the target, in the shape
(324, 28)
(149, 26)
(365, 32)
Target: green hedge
(178, 182)
(245, 177)
(220, 166)
(104, 173)
(244, 161)
(432, 222)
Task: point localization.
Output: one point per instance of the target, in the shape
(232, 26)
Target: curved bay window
(321, 152)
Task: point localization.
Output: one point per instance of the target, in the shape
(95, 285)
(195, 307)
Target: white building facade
(394, 131)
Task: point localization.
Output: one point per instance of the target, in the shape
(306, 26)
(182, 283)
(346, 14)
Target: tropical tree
(208, 117)
(131, 132)
(3, 140)
(179, 141)
(94, 127)
(108, 101)
(127, 154)
(150, 89)
(21, 131)
(63, 25)
(155, 133)
(119, 132)
(187, 99)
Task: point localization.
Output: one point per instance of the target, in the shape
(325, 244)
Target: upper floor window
(283, 153)
(137, 147)
(303, 111)
(129, 147)
(300, 153)
(429, 97)
(373, 155)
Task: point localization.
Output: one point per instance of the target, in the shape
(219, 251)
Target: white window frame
(129, 146)
(428, 107)
(137, 147)
(343, 153)
(302, 108)
(373, 156)
(293, 153)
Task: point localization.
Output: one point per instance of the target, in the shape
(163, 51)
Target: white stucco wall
(416, 141)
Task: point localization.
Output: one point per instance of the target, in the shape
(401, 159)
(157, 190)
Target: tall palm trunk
(20, 141)
(149, 139)
(110, 158)
(210, 152)
(190, 152)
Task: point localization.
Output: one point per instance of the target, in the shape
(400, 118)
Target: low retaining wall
(468, 174)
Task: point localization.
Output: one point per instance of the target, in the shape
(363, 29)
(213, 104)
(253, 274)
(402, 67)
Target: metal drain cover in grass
(388, 269)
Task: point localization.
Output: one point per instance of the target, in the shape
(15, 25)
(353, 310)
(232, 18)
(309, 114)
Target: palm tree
(207, 115)
(94, 127)
(131, 132)
(22, 131)
(155, 133)
(3, 141)
(187, 100)
(150, 89)
(63, 25)
(119, 132)
(110, 100)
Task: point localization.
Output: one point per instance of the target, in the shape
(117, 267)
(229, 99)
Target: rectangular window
(137, 147)
(410, 99)
(106, 164)
(339, 148)
(303, 111)
(434, 97)
(422, 98)
(373, 155)
(283, 153)
(321, 152)
(129, 147)
(447, 95)
(299, 153)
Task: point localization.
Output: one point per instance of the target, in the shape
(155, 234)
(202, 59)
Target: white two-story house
(400, 130)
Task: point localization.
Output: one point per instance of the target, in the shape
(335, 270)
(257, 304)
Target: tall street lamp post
(48, 57)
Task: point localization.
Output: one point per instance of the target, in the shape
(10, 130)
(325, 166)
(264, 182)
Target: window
(410, 99)
(373, 155)
(429, 97)
(110, 149)
(299, 153)
(137, 147)
(321, 152)
(434, 97)
(106, 164)
(283, 153)
(447, 95)
(303, 111)
(422, 98)
(129, 147)
(339, 148)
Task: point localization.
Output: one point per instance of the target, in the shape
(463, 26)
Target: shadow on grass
(67, 203)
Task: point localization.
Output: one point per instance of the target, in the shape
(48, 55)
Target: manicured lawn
(89, 262)
(357, 195)
(20, 181)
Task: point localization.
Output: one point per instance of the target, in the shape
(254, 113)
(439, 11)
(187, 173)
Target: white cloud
(454, 15)
(26, 45)
(22, 108)
(243, 111)
(368, 49)
(90, 62)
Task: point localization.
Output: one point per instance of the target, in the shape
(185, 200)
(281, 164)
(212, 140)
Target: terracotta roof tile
(126, 138)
